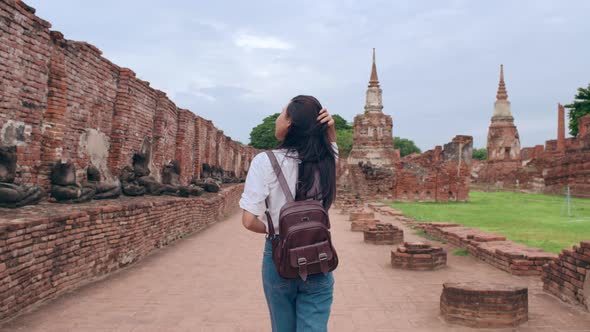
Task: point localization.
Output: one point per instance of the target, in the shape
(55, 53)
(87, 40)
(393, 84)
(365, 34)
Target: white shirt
(262, 182)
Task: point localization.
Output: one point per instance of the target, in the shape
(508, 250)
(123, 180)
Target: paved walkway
(190, 286)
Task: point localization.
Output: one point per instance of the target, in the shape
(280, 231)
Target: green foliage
(460, 252)
(532, 219)
(344, 141)
(340, 123)
(263, 135)
(579, 108)
(405, 146)
(480, 154)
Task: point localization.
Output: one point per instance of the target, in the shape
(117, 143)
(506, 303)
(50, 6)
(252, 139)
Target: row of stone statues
(133, 180)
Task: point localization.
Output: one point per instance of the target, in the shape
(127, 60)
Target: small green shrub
(460, 252)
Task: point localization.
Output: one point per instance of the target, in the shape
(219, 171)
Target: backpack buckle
(301, 261)
(323, 256)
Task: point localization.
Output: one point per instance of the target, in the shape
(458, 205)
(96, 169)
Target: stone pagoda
(373, 130)
(503, 140)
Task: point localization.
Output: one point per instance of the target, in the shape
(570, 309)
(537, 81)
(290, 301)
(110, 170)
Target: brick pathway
(187, 287)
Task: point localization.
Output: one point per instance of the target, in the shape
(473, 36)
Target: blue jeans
(296, 305)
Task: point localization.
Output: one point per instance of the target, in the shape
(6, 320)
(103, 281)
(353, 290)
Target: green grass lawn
(535, 220)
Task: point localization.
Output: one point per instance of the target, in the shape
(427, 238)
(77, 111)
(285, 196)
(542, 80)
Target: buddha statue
(171, 181)
(64, 188)
(14, 195)
(103, 190)
(129, 185)
(142, 175)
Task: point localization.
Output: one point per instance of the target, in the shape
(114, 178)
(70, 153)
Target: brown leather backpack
(305, 244)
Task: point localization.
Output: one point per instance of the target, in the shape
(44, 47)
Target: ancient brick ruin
(548, 168)
(568, 277)
(482, 305)
(438, 175)
(503, 140)
(383, 233)
(418, 256)
(61, 100)
(374, 168)
(493, 249)
(49, 249)
(361, 220)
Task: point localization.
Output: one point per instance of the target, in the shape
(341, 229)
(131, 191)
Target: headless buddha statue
(103, 190)
(14, 195)
(171, 181)
(64, 188)
(129, 185)
(143, 177)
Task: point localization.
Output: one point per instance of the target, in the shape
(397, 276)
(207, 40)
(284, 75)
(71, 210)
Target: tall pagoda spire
(374, 101)
(502, 94)
(374, 80)
(502, 105)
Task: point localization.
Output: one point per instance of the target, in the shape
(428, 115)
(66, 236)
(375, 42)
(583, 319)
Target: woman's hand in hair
(325, 117)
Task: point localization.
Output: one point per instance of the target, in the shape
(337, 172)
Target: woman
(308, 143)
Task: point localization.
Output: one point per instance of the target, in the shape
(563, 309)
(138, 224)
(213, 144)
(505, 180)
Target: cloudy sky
(236, 62)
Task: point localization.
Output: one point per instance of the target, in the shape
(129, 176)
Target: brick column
(120, 120)
(54, 117)
(560, 128)
(185, 138)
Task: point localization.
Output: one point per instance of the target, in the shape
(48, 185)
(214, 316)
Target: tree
(344, 141)
(579, 108)
(263, 135)
(405, 146)
(480, 154)
(340, 123)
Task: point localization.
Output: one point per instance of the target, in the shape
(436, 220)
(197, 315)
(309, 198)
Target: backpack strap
(271, 226)
(284, 186)
(280, 176)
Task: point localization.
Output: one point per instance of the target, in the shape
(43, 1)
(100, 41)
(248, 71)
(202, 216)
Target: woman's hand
(325, 117)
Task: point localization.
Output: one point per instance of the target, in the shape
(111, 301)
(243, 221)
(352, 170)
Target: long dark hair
(309, 139)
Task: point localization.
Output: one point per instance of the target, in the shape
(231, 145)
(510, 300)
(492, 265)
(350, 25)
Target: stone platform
(484, 305)
(385, 209)
(361, 215)
(48, 249)
(418, 256)
(509, 256)
(383, 234)
(363, 224)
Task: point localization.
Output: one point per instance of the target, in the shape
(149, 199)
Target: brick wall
(547, 169)
(438, 175)
(493, 249)
(56, 92)
(49, 249)
(568, 277)
(25, 54)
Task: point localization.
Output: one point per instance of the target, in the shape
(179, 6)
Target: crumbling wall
(438, 175)
(61, 100)
(568, 277)
(547, 169)
(48, 249)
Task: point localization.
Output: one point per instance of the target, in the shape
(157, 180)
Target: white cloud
(263, 42)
